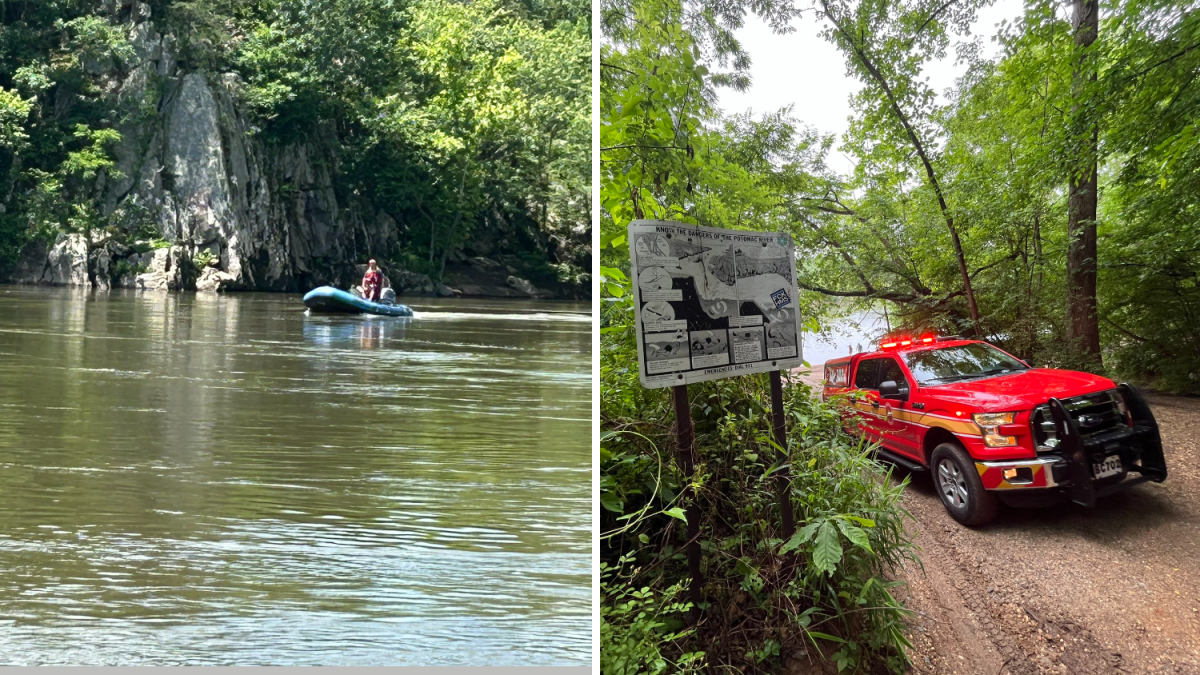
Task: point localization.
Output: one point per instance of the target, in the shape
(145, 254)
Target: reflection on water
(354, 332)
(213, 480)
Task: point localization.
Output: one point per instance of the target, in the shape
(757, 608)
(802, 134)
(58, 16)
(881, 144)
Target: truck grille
(1093, 413)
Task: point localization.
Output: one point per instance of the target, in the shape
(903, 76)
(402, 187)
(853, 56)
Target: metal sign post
(781, 479)
(685, 433)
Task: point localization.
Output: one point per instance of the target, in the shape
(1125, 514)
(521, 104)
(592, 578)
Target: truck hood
(1024, 390)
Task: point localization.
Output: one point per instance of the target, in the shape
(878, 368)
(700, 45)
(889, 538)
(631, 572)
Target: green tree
(886, 45)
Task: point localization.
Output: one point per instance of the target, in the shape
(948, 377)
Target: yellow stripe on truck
(950, 424)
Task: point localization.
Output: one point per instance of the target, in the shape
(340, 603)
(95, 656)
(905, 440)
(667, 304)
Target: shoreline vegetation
(1046, 203)
(267, 145)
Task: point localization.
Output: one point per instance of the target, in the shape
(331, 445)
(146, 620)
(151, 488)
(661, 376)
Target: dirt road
(1114, 589)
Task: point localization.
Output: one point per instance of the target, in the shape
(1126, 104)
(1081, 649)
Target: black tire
(958, 486)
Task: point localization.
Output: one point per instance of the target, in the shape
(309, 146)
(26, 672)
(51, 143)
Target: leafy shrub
(203, 258)
(124, 267)
(637, 623)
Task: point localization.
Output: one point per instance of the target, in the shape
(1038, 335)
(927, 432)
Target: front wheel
(958, 485)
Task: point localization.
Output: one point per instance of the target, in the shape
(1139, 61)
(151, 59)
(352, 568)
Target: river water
(201, 479)
(858, 331)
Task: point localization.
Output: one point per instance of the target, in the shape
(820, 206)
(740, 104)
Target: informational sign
(712, 303)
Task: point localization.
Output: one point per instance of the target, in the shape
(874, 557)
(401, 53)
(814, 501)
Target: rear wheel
(958, 486)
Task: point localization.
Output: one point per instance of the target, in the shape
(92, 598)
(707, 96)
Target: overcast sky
(809, 73)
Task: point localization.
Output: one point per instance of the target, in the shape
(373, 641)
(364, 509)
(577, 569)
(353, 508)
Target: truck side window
(864, 377)
(889, 369)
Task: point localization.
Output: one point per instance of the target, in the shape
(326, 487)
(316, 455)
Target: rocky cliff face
(236, 213)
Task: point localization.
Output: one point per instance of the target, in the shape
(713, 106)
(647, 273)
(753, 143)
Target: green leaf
(828, 552)
(676, 513)
(800, 538)
(613, 273)
(865, 522)
(614, 242)
(856, 535)
(827, 636)
(611, 502)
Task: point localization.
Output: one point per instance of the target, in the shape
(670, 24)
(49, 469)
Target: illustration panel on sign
(709, 348)
(747, 344)
(667, 352)
(782, 341)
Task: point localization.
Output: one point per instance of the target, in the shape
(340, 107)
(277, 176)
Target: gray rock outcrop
(412, 283)
(190, 168)
(63, 263)
(214, 280)
(525, 287)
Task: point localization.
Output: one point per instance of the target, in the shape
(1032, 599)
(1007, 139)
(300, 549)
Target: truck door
(899, 434)
(866, 383)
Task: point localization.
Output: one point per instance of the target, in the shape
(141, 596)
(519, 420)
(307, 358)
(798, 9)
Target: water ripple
(216, 480)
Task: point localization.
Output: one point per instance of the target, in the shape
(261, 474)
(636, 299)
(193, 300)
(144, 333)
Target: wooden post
(781, 478)
(686, 436)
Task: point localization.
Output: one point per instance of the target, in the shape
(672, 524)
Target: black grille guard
(1140, 448)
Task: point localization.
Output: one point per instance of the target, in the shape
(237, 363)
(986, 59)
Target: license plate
(1111, 466)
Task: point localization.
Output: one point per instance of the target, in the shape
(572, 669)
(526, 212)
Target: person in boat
(372, 282)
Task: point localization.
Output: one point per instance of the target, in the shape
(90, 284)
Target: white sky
(804, 70)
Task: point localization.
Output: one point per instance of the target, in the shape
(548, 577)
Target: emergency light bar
(895, 342)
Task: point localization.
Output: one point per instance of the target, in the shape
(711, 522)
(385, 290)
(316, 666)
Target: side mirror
(891, 390)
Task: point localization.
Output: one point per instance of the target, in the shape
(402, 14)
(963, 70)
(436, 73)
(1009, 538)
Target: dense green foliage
(455, 118)
(1003, 148)
(951, 199)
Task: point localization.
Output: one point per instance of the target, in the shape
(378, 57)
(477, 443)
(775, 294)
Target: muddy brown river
(202, 479)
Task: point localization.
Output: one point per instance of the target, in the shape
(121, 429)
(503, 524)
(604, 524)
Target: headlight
(989, 423)
(993, 419)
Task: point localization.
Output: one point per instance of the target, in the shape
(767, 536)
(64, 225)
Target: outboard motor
(388, 296)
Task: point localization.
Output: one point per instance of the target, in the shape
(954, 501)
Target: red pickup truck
(991, 426)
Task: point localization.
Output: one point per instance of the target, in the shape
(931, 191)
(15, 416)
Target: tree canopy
(455, 118)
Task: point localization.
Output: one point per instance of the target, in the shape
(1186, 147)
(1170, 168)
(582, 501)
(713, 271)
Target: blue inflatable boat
(330, 299)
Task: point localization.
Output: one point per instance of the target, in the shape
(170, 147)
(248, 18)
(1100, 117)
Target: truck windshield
(964, 362)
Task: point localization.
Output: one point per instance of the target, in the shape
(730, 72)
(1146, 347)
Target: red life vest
(372, 284)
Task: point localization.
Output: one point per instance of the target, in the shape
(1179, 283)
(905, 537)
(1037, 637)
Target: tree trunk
(1083, 323)
(1037, 249)
(1035, 284)
(432, 232)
